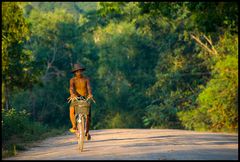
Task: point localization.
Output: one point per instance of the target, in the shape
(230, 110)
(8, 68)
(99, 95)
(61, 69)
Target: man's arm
(89, 89)
(71, 88)
(72, 91)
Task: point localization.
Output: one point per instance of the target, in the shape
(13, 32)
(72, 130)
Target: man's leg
(88, 122)
(72, 118)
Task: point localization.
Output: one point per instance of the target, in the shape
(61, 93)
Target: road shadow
(205, 139)
(187, 154)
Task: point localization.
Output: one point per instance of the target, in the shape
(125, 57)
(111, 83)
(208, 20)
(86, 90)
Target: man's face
(78, 72)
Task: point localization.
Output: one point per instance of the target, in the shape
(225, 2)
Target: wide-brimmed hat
(77, 67)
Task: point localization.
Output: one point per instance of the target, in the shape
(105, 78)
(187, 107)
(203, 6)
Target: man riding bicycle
(79, 87)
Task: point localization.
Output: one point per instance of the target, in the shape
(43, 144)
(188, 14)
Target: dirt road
(137, 144)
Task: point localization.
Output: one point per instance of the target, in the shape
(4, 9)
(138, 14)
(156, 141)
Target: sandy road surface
(137, 144)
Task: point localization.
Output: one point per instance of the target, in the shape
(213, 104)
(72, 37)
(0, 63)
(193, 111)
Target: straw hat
(77, 67)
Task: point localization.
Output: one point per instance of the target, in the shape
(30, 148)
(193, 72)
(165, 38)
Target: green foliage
(14, 33)
(171, 10)
(123, 66)
(218, 102)
(17, 124)
(110, 8)
(73, 8)
(19, 130)
(215, 16)
(160, 116)
(181, 71)
(55, 49)
(14, 27)
(16, 61)
(177, 76)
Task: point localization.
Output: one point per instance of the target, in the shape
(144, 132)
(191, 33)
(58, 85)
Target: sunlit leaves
(14, 31)
(217, 103)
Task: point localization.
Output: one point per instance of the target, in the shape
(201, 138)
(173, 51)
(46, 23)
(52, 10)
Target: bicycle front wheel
(81, 134)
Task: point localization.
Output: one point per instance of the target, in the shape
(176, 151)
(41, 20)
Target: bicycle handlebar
(81, 98)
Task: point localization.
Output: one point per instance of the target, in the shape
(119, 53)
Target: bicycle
(82, 108)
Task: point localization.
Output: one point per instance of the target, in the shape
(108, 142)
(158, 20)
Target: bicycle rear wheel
(81, 134)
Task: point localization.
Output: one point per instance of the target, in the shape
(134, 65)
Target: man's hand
(89, 96)
(72, 97)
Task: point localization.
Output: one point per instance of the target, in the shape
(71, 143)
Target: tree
(217, 108)
(16, 71)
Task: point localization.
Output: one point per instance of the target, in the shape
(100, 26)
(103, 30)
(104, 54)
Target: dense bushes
(18, 124)
(18, 130)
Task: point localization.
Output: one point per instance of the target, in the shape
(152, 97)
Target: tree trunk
(5, 97)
